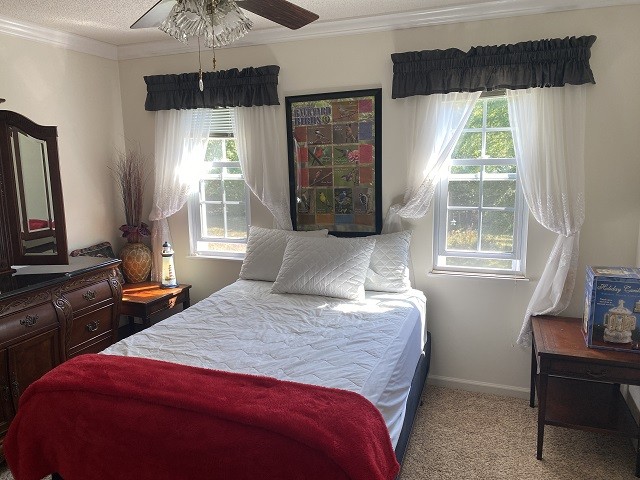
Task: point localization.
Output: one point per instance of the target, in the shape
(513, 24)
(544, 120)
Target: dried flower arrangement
(131, 175)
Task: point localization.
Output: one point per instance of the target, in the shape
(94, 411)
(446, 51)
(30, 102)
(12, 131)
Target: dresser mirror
(32, 210)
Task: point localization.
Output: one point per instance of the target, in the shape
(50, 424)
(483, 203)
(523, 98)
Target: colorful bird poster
(334, 142)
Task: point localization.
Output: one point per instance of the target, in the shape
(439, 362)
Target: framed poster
(334, 142)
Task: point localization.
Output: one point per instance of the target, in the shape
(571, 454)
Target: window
(219, 210)
(480, 213)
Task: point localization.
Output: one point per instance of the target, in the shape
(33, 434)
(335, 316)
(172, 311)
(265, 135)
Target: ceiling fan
(279, 11)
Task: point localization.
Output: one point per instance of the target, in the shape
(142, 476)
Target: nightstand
(147, 299)
(579, 387)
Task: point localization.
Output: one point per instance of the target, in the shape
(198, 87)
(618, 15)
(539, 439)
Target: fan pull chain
(200, 81)
(213, 49)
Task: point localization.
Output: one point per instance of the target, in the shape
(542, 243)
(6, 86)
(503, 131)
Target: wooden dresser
(49, 317)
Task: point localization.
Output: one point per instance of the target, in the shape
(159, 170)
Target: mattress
(369, 347)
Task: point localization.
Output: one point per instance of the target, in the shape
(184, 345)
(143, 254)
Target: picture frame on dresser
(334, 145)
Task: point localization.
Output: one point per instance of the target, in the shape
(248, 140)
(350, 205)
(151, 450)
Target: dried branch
(131, 175)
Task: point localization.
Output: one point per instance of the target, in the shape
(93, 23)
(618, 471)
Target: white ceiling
(108, 21)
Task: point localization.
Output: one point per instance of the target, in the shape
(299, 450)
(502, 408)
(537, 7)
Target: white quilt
(370, 347)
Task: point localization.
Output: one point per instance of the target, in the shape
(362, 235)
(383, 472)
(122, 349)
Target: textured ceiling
(109, 20)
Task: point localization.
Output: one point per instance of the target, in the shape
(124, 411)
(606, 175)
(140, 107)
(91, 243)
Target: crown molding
(69, 41)
(397, 21)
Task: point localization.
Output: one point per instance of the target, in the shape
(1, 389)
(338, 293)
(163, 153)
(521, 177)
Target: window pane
(222, 247)
(462, 169)
(214, 170)
(497, 113)
(469, 145)
(236, 221)
(462, 230)
(213, 225)
(475, 120)
(500, 145)
(212, 190)
(486, 263)
(497, 231)
(214, 150)
(465, 193)
(499, 193)
(500, 169)
(232, 152)
(234, 190)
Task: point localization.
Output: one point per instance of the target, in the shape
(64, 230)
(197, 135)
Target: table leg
(132, 325)
(534, 370)
(638, 457)
(542, 407)
(187, 301)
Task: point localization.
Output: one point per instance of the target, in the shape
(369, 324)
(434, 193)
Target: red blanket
(109, 417)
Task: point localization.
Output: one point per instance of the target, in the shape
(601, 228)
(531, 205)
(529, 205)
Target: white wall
(474, 321)
(80, 94)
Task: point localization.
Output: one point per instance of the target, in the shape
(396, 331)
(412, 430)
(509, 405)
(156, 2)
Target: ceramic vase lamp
(168, 268)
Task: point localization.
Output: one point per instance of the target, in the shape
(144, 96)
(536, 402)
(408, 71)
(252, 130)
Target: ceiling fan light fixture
(220, 22)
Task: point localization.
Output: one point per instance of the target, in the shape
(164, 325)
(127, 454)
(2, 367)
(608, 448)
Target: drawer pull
(89, 295)
(29, 320)
(93, 326)
(597, 373)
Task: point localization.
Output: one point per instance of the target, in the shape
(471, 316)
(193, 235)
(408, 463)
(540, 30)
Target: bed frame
(414, 399)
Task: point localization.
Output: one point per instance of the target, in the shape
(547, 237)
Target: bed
(376, 346)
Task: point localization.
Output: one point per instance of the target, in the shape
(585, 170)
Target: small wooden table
(146, 299)
(579, 387)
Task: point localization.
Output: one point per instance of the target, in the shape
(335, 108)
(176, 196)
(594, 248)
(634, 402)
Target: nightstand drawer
(588, 371)
(89, 295)
(87, 327)
(28, 320)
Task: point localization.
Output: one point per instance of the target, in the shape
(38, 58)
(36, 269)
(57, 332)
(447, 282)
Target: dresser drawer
(89, 326)
(89, 295)
(28, 320)
(589, 371)
(90, 347)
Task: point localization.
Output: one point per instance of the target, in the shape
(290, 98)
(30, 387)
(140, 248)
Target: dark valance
(543, 63)
(249, 87)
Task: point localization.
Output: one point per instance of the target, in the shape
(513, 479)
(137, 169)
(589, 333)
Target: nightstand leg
(132, 325)
(542, 406)
(534, 370)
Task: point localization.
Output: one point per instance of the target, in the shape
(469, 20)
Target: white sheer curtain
(549, 141)
(261, 142)
(181, 138)
(437, 122)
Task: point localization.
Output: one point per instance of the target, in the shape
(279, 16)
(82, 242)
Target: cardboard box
(612, 308)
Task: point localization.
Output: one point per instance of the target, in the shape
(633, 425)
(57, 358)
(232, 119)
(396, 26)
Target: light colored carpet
(472, 436)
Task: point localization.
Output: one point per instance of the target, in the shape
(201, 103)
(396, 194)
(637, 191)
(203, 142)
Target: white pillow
(331, 267)
(389, 266)
(265, 249)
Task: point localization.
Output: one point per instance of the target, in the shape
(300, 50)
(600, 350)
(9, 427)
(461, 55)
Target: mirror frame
(10, 230)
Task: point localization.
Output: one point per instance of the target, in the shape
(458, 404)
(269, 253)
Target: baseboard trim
(475, 386)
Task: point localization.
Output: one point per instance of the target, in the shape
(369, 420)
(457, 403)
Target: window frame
(442, 208)
(197, 203)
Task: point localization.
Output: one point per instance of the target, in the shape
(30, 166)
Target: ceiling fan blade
(155, 15)
(280, 11)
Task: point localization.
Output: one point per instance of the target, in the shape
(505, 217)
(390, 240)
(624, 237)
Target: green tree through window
(480, 217)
